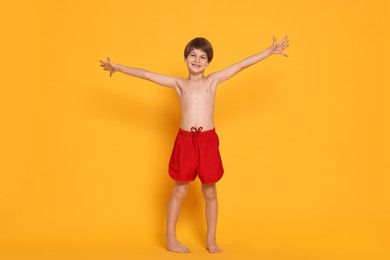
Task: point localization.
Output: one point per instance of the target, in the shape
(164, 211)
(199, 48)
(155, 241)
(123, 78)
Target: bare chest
(197, 94)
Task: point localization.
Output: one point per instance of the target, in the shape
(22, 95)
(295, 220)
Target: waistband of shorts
(201, 133)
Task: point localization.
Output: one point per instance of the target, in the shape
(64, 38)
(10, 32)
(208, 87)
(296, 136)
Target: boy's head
(200, 44)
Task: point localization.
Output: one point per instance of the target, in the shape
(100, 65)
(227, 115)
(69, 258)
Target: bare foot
(213, 248)
(177, 247)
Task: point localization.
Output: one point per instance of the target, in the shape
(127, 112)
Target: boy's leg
(179, 193)
(210, 196)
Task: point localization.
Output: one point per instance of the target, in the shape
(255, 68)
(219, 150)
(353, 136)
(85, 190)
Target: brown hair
(200, 44)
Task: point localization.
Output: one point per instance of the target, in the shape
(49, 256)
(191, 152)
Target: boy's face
(197, 61)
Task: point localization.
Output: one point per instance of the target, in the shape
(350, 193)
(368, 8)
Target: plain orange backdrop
(304, 139)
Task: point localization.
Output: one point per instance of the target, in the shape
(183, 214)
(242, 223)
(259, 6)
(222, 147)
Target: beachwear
(196, 153)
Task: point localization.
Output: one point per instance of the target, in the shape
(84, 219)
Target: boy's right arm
(166, 81)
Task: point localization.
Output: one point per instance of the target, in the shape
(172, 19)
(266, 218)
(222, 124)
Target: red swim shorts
(196, 153)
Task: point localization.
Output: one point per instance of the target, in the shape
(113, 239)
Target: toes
(214, 249)
(183, 250)
(179, 248)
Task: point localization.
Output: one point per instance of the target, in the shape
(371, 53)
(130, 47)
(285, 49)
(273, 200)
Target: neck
(195, 77)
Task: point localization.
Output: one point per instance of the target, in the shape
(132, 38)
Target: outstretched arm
(162, 80)
(276, 48)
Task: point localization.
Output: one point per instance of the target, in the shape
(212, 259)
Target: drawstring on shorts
(196, 131)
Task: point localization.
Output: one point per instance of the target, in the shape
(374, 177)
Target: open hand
(278, 47)
(110, 66)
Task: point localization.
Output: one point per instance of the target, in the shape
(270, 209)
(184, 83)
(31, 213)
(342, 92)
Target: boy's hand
(108, 66)
(278, 47)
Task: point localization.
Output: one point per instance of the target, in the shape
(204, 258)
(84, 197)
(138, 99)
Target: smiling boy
(196, 152)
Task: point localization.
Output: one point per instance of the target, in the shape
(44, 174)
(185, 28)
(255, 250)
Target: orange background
(304, 139)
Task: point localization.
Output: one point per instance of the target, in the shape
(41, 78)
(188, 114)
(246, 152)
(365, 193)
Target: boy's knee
(180, 192)
(209, 193)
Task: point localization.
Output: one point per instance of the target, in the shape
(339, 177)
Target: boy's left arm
(276, 48)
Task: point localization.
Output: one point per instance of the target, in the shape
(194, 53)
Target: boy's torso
(197, 99)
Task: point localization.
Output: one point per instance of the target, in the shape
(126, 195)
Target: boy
(195, 151)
